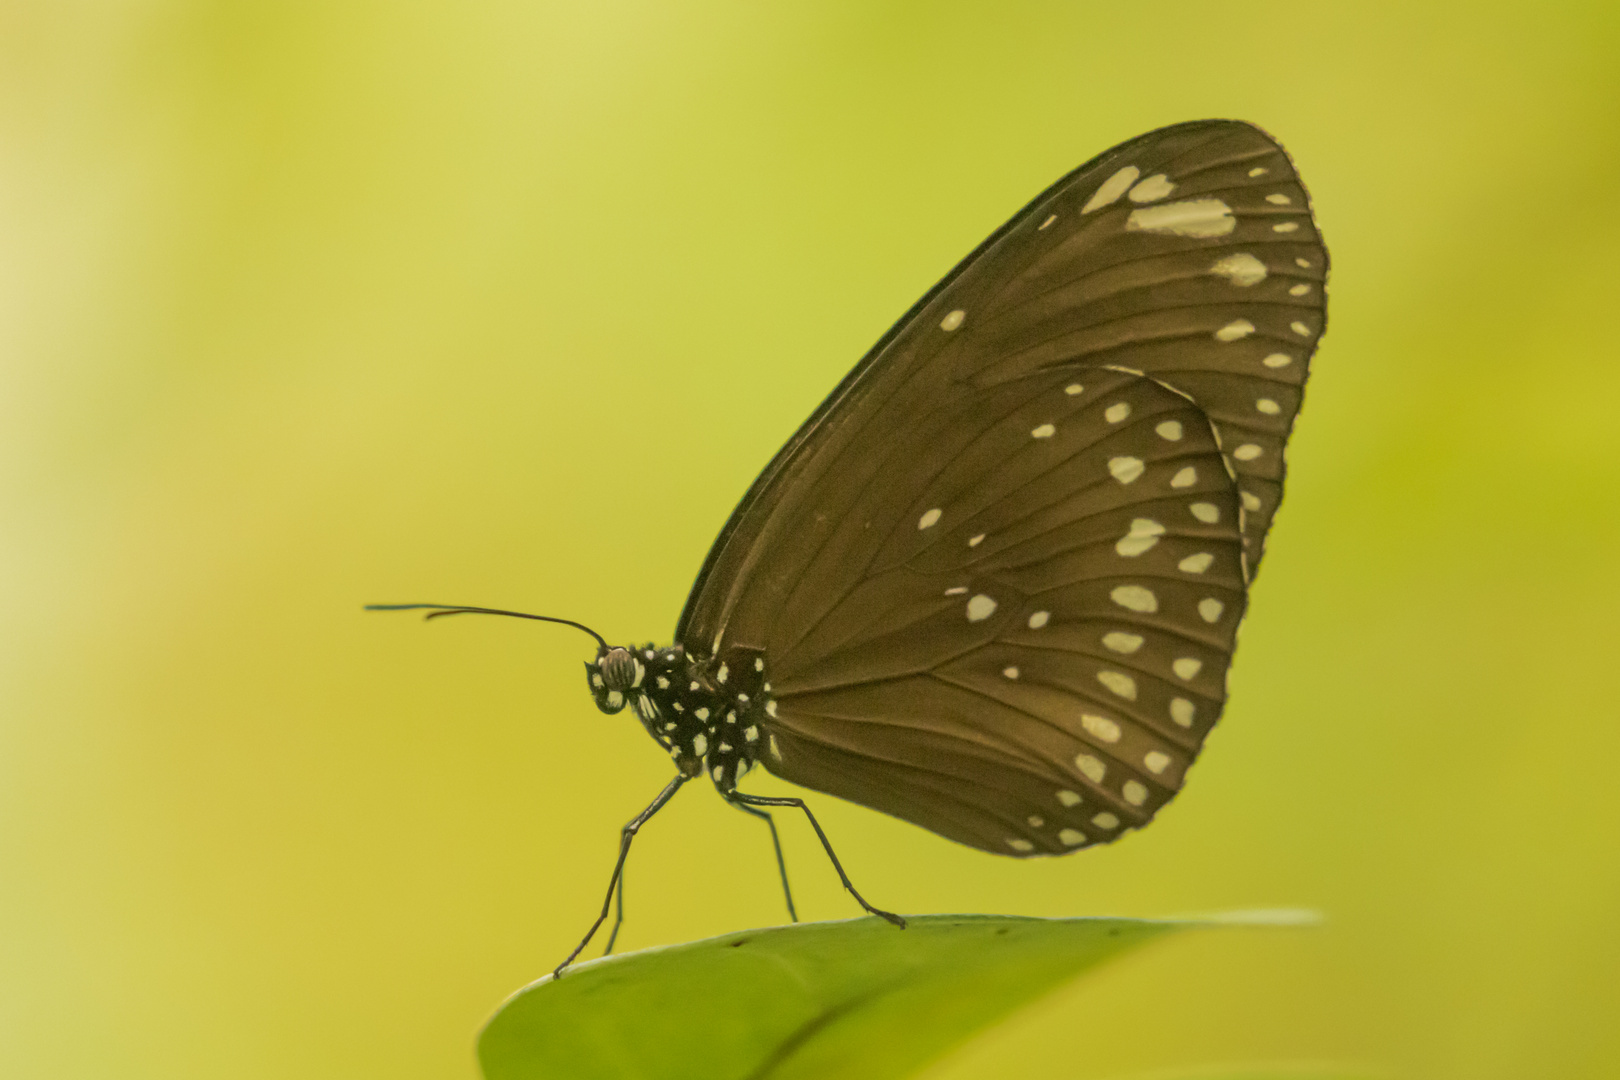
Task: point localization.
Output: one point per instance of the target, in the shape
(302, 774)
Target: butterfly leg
(626, 834)
(766, 800)
(776, 842)
(618, 915)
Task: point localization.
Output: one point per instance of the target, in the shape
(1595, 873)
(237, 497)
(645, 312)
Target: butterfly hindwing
(1059, 599)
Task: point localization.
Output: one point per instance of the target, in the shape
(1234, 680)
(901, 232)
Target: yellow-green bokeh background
(308, 304)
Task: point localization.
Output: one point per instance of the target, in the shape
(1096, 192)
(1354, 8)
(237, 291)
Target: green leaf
(1266, 1072)
(859, 1000)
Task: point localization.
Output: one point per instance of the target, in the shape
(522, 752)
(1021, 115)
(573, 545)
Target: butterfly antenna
(434, 611)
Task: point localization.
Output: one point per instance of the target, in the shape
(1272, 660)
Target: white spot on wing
(1208, 513)
(1145, 532)
(1209, 609)
(1256, 172)
(1039, 619)
(1073, 389)
(1118, 682)
(1186, 667)
(1267, 406)
(1135, 792)
(700, 744)
(1285, 226)
(1300, 328)
(1156, 761)
(1277, 360)
(1247, 452)
(1010, 672)
(953, 320)
(1299, 290)
(1251, 501)
(980, 608)
(1135, 598)
(1019, 844)
(1112, 189)
(1104, 729)
(975, 541)
(1235, 330)
(1071, 837)
(1091, 768)
(1152, 189)
(1105, 820)
(1195, 564)
(1182, 711)
(1241, 269)
(1199, 218)
(1279, 200)
(1067, 797)
(1170, 430)
(1185, 477)
(928, 519)
(1125, 469)
(1117, 412)
(1045, 223)
(1121, 642)
(1045, 431)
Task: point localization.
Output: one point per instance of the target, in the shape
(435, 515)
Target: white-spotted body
(685, 704)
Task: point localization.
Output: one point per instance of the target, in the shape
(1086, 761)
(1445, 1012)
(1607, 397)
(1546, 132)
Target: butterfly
(993, 585)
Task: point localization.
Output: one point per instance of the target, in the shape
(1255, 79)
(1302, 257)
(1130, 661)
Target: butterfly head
(612, 675)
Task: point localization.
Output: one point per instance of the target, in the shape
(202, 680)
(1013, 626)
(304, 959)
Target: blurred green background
(309, 304)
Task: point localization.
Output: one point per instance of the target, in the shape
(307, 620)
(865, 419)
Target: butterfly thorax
(708, 712)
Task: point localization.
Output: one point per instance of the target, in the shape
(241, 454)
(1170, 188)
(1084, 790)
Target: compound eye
(620, 670)
(609, 701)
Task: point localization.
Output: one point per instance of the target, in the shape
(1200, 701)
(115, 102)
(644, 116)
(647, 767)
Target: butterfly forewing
(1007, 557)
(1194, 260)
